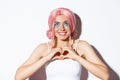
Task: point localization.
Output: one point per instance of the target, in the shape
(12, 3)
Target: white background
(23, 25)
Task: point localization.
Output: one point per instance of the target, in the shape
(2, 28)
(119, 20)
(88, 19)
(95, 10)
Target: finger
(66, 57)
(54, 52)
(58, 50)
(61, 57)
(57, 54)
(56, 58)
(65, 49)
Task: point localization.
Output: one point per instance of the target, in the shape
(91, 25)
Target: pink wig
(71, 19)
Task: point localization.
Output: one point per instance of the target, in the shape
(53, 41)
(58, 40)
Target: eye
(56, 24)
(66, 24)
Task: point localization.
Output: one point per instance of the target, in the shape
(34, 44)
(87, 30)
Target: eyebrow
(59, 22)
(66, 21)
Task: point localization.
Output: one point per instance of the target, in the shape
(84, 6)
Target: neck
(63, 43)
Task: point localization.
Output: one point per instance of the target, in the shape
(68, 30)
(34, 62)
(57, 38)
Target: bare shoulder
(42, 46)
(84, 47)
(37, 53)
(42, 49)
(83, 43)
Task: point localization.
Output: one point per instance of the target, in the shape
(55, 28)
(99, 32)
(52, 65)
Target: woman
(63, 56)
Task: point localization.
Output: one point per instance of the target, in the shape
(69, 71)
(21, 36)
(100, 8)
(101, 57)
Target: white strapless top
(63, 70)
(66, 69)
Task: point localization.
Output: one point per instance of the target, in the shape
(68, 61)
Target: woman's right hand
(55, 54)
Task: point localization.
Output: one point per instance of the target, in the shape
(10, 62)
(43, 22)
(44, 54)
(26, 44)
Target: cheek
(68, 30)
(55, 30)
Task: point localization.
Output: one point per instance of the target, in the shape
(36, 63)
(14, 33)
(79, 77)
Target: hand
(69, 53)
(62, 53)
(55, 53)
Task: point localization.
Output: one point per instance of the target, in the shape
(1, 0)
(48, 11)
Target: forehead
(61, 18)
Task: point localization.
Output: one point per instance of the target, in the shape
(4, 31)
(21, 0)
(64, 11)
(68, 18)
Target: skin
(84, 54)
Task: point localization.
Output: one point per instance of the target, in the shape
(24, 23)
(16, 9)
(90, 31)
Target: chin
(63, 38)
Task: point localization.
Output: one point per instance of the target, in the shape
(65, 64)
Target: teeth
(62, 33)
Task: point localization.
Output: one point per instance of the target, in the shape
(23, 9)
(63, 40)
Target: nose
(62, 28)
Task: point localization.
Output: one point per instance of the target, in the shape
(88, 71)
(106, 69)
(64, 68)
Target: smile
(62, 33)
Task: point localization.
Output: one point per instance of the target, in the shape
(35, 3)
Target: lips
(62, 33)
